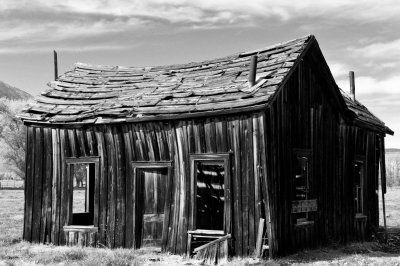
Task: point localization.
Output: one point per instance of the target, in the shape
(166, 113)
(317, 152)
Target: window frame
(362, 161)
(209, 157)
(92, 189)
(309, 204)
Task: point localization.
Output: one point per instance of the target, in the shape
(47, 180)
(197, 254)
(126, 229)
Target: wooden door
(152, 185)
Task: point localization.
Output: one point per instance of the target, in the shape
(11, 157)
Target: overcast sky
(363, 36)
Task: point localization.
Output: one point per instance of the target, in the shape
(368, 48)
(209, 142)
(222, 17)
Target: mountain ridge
(13, 93)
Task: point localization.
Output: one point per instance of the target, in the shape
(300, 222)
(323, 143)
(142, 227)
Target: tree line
(393, 168)
(12, 137)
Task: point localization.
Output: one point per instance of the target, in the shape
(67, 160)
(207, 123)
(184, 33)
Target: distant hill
(392, 150)
(13, 93)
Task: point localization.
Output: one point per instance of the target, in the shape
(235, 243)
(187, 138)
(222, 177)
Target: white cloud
(47, 20)
(366, 85)
(382, 98)
(338, 69)
(62, 48)
(285, 9)
(383, 50)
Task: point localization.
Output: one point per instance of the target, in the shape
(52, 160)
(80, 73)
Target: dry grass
(13, 251)
(392, 200)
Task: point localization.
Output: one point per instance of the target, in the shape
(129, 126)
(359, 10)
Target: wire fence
(11, 184)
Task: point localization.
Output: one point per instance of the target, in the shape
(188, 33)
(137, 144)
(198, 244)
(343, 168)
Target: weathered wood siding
(304, 115)
(48, 190)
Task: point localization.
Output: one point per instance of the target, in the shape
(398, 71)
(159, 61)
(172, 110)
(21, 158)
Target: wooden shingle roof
(90, 94)
(363, 115)
(101, 94)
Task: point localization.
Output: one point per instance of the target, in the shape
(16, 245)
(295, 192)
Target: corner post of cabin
(383, 180)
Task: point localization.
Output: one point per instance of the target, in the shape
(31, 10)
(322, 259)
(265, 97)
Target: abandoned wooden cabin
(177, 156)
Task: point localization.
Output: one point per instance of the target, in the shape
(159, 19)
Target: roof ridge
(274, 46)
(304, 39)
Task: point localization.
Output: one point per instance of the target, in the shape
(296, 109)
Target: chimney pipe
(55, 65)
(352, 86)
(253, 70)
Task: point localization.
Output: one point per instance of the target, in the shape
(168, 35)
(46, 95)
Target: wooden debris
(215, 252)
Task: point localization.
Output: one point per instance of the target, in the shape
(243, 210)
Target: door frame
(136, 209)
(225, 157)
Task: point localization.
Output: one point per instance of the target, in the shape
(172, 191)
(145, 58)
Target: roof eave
(164, 117)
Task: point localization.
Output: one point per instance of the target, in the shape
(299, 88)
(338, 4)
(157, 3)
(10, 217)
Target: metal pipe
(253, 70)
(352, 86)
(55, 65)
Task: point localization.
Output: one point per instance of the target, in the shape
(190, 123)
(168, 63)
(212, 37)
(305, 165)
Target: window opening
(302, 184)
(358, 187)
(210, 194)
(82, 174)
(303, 203)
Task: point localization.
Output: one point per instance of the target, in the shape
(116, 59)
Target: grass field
(13, 251)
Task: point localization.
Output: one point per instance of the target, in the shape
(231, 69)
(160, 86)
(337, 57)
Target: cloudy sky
(363, 36)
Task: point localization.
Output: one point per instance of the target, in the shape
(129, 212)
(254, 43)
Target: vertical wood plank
(29, 182)
(49, 169)
(237, 188)
(56, 187)
(65, 214)
(129, 187)
(250, 176)
(111, 182)
(38, 185)
(120, 187)
(103, 185)
(244, 185)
